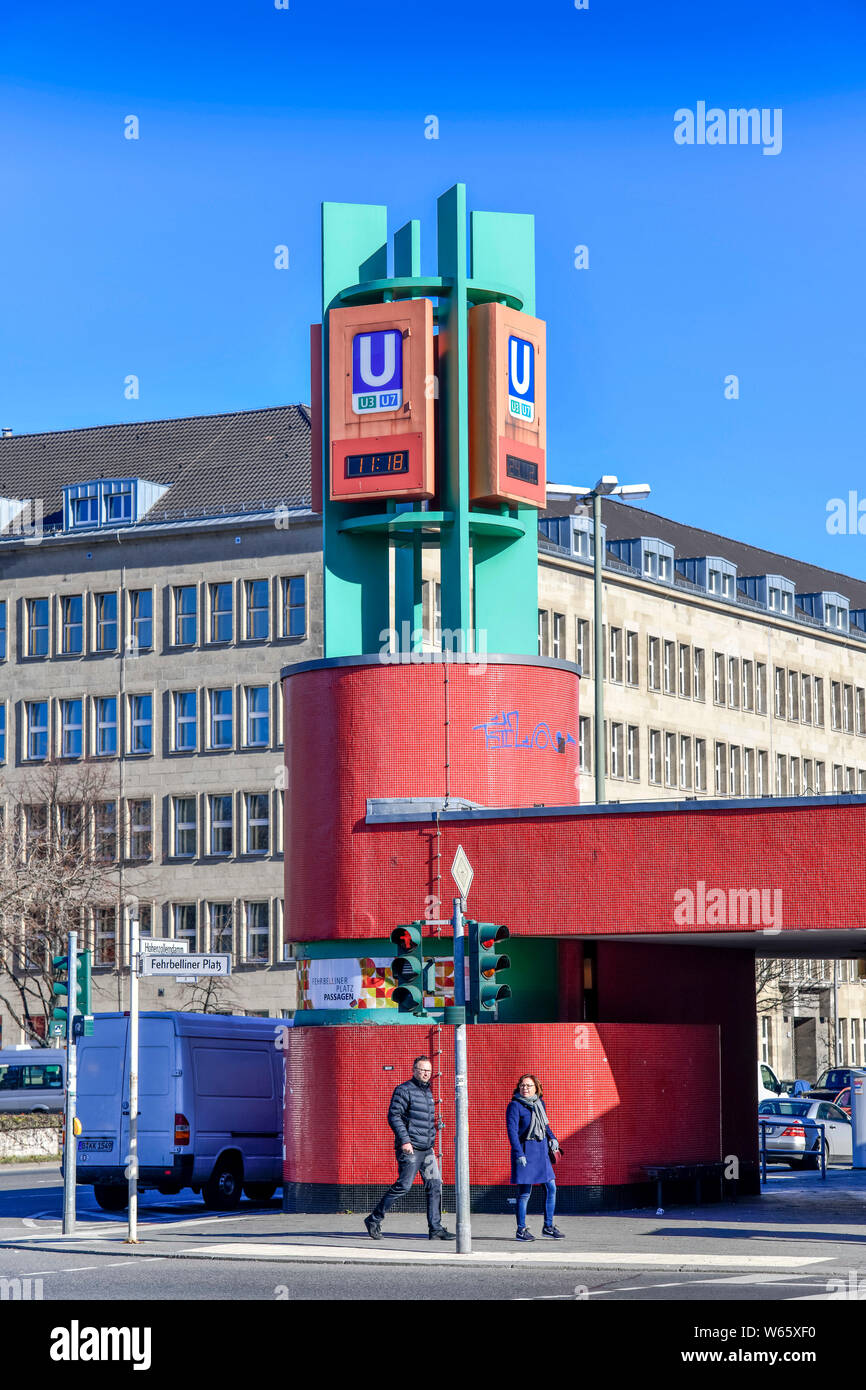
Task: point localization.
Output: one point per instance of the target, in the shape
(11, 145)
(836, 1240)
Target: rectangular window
(631, 658)
(106, 726)
(793, 692)
(848, 709)
(70, 728)
(37, 730)
(257, 621)
(294, 606)
(685, 671)
(733, 683)
(779, 675)
(760, 688)
(763, 770)
(2, 731)
(141, 619)
(256, 931)
(184, 827)
(721, 769)
(819, 701)
(141, 723)
(221, 718)
(835, 705)
(582, 646)
(37, 626)
(781, 775)
(220, 612)
(861, 779)
(35, 831)
(820, 779)
(2, 629)
(584, 744)
(734, 772)
(184, 923)
(185, 598)
(257, 731)
(140, 829)
(221, 824)
(794, 773)
(185, 721)
(718, 678)
(850, 779)
(633, 754)
(670, 760)
(700, 765)
(837, 779)
(653, 664)
(748, 772)
(806, 699)
(842, 1057)
(615, 654)
(748, 685)
(72, 624)
(698, 675)
(543, 632)
(655, 756)
(105, 936)
(668, 673)
(808, 778)
(257, 823)
(616, 749)
(221, 923)
(559, 636)
(105, 606)
(685, 763)
(860, 716)
(105, 831)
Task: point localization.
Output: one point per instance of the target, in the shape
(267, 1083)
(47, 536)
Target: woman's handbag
(555, 1154)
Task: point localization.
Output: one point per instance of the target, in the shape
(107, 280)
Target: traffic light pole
(461, 1090)
(71, 1154)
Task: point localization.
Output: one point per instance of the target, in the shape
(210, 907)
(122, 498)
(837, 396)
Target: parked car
(831, 1082)
(210, 1107)
(796, 1138)
(769, 1085)
(32, 1079)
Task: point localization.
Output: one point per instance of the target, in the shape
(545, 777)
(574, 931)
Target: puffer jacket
(412, 1115)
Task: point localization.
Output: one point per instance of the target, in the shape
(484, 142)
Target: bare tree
(58, 853)
(211, 994)
(769, 989)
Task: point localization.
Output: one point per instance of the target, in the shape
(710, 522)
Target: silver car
(795, 1138)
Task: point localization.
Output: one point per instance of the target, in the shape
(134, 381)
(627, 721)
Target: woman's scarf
(538, 1124)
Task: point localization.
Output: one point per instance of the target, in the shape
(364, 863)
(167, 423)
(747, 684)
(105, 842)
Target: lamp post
(607, 486)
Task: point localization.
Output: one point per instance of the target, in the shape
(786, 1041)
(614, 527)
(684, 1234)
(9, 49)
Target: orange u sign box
(381, 401)
(507, 406)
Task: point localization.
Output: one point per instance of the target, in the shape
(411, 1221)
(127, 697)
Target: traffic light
(408, 968)
(486, 961)
(60, 1014)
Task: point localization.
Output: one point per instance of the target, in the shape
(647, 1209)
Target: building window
(819, 701)
(631, 658)
(72, 624)
(808, 783)
(584, 744)
(2, 629)
(616, 749)
(820, 784)
(721, 769)
(37, 730)
(70, 822)
(780, 692)
(140, 829)
(685, 671)
(141, 619)
(106, 726)
(835, 705)
(85, 510)
(653, 664)
(106, 622)
(763, 785)
(294, 606)
(221, 923)
(543, 632)
(842, 1057)
(257, 823)
(256, 931)
(748, 772)
(105, 831)
(582, 646)
(698, 675)
(221, 824)
(855, 1038)
(860, 724)
(70, 728)
(35, 831)
(700, 765)
(669, 668)
(220, 612)
(685, 763)
(141, 723)
(655, 756)
(733, 683)
(559, 636)
(806, 699)
(734, 772)
(257, 624)
(848, 709)
(718, 678)
(850, 779)
(670, 760)
(185, 599)
(781, 775)
(794, 783)
(793, 692)
(748, 685)
(760, 688)
(2, 734)
(184, 827)
(184, 923)
(37, 626)
(221, 718)
(615, 654)
(257, 724)
(633, 754)
(185, 721)
(105, 936)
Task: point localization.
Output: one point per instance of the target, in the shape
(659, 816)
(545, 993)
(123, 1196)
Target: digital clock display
(521, 469)
(375, 465)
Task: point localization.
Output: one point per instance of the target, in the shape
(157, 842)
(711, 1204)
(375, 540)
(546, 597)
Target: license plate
(95, 1146)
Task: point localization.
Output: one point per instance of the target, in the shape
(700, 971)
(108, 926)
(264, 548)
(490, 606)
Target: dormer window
(109, 502)
(84, 510)
(650, 564)
(118, 502)
(665, 568)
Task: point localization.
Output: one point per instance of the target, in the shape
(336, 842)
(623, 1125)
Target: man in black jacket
(412, 1116)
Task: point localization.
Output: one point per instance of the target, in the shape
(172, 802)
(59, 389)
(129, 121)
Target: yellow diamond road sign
(462, 872)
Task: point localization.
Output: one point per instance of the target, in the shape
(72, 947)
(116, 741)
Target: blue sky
(155, 257)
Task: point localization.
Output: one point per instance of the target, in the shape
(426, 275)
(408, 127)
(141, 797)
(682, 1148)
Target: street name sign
(168, 964)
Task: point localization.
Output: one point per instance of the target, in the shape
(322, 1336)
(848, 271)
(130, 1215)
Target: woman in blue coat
(530, 1137)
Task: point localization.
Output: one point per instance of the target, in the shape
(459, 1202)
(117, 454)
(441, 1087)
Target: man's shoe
(441, 1234)
(524, 1233)
(374, 1229)
(553, 1231)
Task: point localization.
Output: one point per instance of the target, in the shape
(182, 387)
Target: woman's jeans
(523, 1193)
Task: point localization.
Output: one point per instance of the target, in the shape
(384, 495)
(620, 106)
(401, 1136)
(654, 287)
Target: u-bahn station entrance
(633, 927)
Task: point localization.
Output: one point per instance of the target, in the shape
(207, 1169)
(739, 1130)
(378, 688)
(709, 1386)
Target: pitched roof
(213, 464)
(624, 522)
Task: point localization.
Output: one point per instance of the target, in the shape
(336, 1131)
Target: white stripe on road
(259, 1251)
(87, 1227)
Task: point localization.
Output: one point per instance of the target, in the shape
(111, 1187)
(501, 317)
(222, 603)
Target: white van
(210, 1107)
(32, 1079)
(769, 1085)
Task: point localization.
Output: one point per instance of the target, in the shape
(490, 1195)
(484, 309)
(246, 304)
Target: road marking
(86, 1226)
(260, 1251)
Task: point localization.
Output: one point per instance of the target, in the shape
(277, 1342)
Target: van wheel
(222, 1191)
(110, 1198)
(260, 1191)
